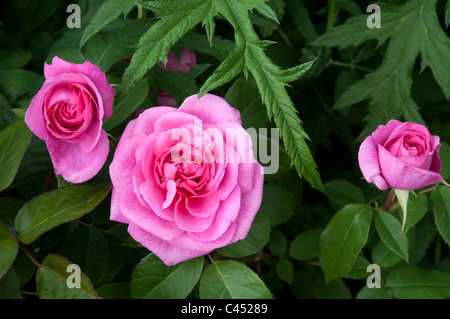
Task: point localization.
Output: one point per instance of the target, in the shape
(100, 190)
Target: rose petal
(250, 204)
(226, 214)
(121, 169)
(34, 117)
(93, 72)
(72, 163)
(383, 132)
(188, 222)
(210, 109)
(146, 120)
(186, 241)
(171, 191)
(368, 162)
(187, 60)
(168, 253)
(400, 175)
(146, 218)
(203, 206)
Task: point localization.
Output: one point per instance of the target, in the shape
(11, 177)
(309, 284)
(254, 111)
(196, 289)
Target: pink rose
(68, 113)
(400, 155)
(187, 61)
(185, 180)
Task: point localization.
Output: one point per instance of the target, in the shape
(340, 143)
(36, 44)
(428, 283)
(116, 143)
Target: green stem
(350, 66)
(437, 250)
(29, 255)
(388, 204)
(29, 293)
(140, 14)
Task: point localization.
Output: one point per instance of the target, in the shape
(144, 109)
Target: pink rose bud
(68, 113)
(187, 61)
(185, 180)
(165, 99)
(401, 155)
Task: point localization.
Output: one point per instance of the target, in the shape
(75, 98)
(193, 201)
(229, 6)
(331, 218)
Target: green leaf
(51, 281)
(10, 286)
(301, 18)
(341, 192)
(107, 12)
(153, 279)
(10, 206)
(229, 279)
(343, 238)
(177, 18)
(258, 237)
(285, 270)
(306, 245)
(59, 206)
(248, 55)
(374, 293)
(14, 59)
(278, 245)
(412, 29)
(232, 66)
(337, 289)
(441, 206)
(389, 229)
(243, 95)
(34, 170)
(14, 140)
(435, 52)
(177, 84)
(119, 290)
(219, 48)
(106, 48)
(417, 208)
(17, 82)
(127, 105)
(444, 154)
(278, 203)
(269, 79)
(414, 283)
(9, 246)
(359, 269)
(384, 256)
(447, 14)
(88, 248)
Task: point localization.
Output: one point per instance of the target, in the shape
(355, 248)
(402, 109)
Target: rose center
(186, 169)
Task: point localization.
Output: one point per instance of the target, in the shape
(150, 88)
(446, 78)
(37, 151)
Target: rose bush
(185, 180)
(400, 155)
(67, 113)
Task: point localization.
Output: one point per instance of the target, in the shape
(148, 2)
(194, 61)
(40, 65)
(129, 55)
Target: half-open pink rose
(401, 155)
(185, 180)
(68, 113)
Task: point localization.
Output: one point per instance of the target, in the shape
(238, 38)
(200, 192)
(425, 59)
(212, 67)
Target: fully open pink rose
(67, 113)
(185, 180)
(401, 155)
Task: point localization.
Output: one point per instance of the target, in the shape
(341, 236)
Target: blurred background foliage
(360, 79)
